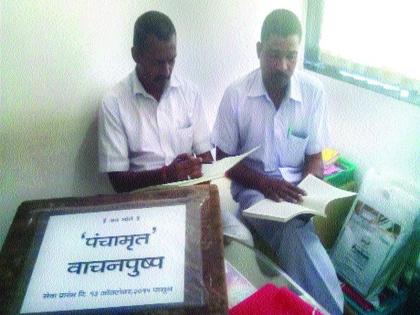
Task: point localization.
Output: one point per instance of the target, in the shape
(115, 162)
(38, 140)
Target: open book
(319, 195)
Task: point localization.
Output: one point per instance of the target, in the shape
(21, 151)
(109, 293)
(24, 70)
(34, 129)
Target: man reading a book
(151, 126)
(282, 111)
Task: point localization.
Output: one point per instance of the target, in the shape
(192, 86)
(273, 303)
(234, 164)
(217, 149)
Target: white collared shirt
(137, 133)
(247, 118)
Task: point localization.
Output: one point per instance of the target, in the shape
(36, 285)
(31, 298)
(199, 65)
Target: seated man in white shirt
(152, 127)
(282, 112)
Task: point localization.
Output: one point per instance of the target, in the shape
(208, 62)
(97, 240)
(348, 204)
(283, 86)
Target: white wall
(373, 130)
(58, 57)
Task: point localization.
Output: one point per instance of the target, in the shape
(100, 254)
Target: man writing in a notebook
(151, 126)
(151, 122)
(283, 112)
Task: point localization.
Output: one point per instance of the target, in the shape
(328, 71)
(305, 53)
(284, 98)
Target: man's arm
(313, 165)
(184, 166)
(271, 188)
(318, 137)
(126, 181)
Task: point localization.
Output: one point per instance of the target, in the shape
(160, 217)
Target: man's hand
(185, 166)
(276, 189)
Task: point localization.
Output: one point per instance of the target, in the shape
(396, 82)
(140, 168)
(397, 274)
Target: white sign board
(109, 259)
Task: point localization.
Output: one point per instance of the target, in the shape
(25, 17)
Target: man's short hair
(281, 22)
(152, 23)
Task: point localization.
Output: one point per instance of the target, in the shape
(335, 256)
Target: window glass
(369, 43)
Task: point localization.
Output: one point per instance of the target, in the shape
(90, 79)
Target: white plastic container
(373, 244)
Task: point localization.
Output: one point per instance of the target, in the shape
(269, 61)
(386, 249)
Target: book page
(322, 192)
(277, 211)
(318, 195)
(210, 172)
(217, 169)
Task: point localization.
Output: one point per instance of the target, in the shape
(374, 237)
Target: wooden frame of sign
(204, 286)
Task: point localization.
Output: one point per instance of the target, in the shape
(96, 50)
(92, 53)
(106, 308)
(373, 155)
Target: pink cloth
(274, 301)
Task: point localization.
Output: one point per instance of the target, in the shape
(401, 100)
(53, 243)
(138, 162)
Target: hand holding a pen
(185, 166)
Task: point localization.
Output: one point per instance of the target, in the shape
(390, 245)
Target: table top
(256, 270)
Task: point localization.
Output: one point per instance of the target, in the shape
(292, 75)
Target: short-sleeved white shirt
(247, 118)
(137, 133)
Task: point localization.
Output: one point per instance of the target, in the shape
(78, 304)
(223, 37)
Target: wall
(58, 58)
(374, 131)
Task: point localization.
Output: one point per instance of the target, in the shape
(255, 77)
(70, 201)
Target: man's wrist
(261, 183)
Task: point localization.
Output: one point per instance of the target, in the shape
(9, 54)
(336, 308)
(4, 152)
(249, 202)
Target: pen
(289, 131)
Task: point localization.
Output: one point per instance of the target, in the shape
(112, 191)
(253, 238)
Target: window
(370, 43)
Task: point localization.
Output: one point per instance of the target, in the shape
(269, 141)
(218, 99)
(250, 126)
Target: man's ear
(259, 48)
(135, 53)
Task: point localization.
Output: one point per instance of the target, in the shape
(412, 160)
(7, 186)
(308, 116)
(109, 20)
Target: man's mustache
(161, 78)
(279, 76)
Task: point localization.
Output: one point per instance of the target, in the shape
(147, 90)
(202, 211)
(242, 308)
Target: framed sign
(135, 253)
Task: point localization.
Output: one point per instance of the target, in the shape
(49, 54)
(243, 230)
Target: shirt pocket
(185, 140)
(294, 153)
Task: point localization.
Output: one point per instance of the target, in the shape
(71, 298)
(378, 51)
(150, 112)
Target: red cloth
(270, 300)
